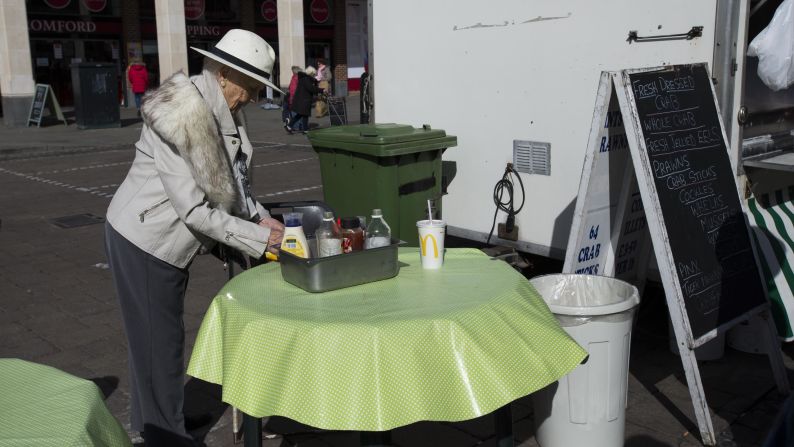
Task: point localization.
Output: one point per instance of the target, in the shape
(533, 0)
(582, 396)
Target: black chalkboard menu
(696, 188)
(39, 100)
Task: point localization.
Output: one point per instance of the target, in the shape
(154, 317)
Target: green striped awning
(772, 220)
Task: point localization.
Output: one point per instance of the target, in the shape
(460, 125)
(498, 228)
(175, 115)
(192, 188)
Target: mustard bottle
(294, 240)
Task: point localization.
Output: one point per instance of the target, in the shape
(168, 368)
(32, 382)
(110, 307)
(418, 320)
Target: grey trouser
(151, 293)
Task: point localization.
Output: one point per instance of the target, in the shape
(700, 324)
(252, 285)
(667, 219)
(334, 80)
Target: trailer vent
(532, 157)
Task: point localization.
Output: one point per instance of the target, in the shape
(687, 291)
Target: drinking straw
(429, 213)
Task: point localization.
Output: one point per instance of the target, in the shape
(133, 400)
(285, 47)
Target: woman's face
(238, 89)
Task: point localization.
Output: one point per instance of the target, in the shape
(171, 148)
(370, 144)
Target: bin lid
(381, 140)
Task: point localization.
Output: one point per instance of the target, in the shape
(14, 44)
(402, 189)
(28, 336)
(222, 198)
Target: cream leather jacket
(180, 193)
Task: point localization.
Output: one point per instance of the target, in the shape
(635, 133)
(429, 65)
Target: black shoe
(196, 421)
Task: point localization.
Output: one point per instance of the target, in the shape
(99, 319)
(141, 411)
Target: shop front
(319, 31)
(63, 32)
(71, 31)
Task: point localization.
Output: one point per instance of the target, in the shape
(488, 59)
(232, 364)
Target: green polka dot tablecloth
(443, 345)
(41, 406)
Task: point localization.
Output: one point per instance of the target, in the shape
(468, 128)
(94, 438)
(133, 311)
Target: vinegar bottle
(378, 231)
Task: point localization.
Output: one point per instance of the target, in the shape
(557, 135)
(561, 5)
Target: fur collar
(179, 114)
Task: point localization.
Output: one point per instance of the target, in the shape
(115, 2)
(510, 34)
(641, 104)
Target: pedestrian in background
(323, 77)
(139, 80)
(286, 114)
(187, 190)
(302, 102)
(365, 96)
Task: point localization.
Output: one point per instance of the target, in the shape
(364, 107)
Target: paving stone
(110, 317)
(7, 317)
(26, 346)
(481, 428)
(305, 441)
(192, 321)
(521, 412)
(524, 442)
(100, 289)
(53, 324)
(340, 438)
(761, 417)
(113, 364)
(75, 370)
(56, 283)
(431, 434)
(524, 430)
(107, 345)
(118, 402)
(80, 337)
(648, 412)
(9, 327)
(67, 358)
(85, 306)
(638, 436)
(744, 436)
(740, 404)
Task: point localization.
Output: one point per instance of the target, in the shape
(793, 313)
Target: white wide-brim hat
(245, 52)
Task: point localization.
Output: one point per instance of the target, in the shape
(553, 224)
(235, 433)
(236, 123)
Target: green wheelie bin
(394, 167)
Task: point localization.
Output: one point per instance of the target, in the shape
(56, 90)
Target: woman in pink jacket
(139, 80)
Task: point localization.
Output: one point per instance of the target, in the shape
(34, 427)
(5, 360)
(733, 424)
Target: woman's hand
(276, 233)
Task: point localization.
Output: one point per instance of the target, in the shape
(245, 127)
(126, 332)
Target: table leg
(252, 431)
(375, 438)
(504, 426)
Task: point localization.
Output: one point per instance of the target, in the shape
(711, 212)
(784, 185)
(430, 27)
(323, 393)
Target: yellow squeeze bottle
(294, 239)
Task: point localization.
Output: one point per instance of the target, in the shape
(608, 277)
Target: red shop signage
(95, 5)
(206, 30)
(319, 11)
(194, 9)
(269, 11)
(73, 26)
(57, 4)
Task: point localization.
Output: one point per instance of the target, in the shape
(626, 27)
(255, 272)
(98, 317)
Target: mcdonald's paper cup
(431, 242)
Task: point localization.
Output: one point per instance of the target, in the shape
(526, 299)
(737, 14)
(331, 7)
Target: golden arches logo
(423, 241)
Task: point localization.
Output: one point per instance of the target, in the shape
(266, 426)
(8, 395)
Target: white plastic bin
(588, 406)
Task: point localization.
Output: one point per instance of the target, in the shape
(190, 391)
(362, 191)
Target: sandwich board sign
(657, 175)
(44, 94)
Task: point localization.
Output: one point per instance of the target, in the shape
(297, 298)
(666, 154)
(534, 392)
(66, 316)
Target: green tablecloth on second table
(445, 345)
(42, 406)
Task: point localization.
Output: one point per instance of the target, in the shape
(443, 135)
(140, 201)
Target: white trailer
(514, 79)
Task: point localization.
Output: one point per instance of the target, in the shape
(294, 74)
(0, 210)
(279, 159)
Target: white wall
(492, 72)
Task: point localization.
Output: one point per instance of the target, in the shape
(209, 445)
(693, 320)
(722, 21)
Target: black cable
(505, 185)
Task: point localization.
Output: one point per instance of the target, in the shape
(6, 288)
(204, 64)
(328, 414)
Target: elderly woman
(302, 102)
(188, 188)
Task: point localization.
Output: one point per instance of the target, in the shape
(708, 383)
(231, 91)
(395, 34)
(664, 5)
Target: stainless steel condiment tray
(340, 271)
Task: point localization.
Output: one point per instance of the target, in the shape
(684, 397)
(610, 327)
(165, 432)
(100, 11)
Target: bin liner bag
(578, 299)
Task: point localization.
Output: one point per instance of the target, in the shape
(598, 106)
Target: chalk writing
(688, 161)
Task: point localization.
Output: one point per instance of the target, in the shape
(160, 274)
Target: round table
(441, 345)
(42, 406)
